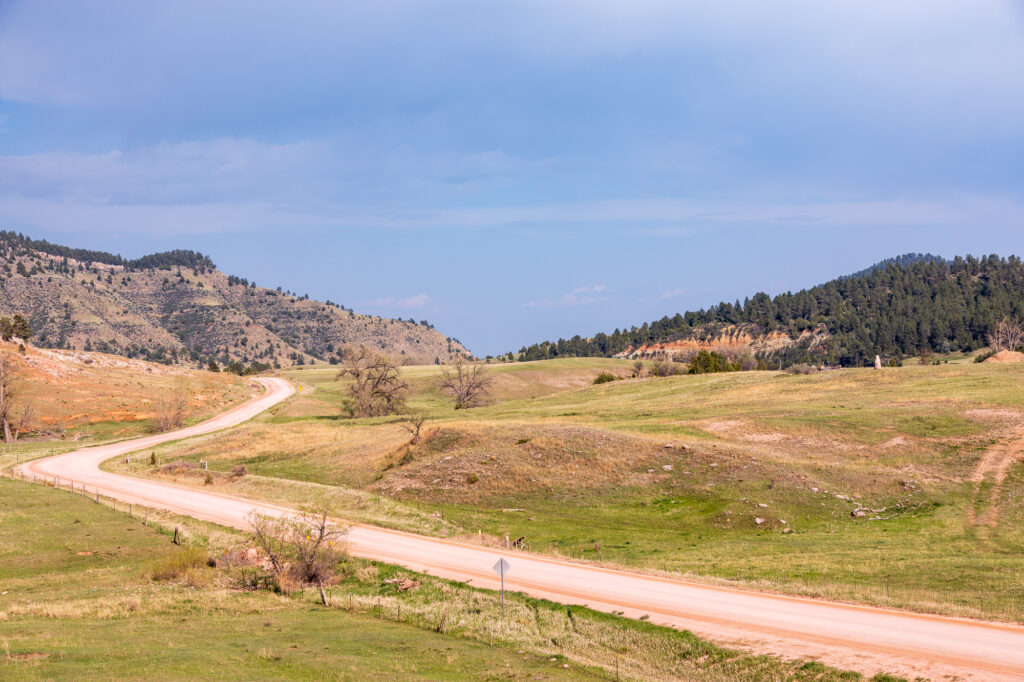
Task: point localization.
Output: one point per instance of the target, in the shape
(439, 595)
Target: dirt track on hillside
(994, 467)
(847, 636)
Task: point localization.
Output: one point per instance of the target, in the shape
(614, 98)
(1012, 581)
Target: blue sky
(515, 171)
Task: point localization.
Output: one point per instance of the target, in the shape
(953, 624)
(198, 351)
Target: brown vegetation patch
(1007, 356)
(471, 462)
(28, 656)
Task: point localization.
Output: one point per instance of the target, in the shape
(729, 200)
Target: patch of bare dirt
(1007, 356)
(993, 414)
(28, 656)
(994, 467)
(739, 430)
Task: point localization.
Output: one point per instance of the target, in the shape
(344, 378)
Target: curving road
(848, 636)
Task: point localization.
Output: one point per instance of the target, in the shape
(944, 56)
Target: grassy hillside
(177, 307)
(79, 397)
(91, 593)
(884, 487)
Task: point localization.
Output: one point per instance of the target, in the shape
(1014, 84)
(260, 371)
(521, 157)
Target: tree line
(18, 244)
(896, 309)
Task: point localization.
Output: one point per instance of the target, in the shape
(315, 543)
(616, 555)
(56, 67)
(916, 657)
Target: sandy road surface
(853, 637)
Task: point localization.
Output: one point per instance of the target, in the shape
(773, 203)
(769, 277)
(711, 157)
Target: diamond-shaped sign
(501, 568)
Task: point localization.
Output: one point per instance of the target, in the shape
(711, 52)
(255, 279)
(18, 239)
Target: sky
(523, 170)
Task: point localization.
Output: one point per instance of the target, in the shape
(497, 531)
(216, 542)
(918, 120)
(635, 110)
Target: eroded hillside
(177, 307)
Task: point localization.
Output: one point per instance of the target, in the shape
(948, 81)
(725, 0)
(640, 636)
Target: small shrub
(666, 368)
(152, 459)
(800, 368)
(522, 441)
(239, 471)
(208, 479)
(303, 549)
(604, 378)
(178, 466)
(178, 565)
(984, 355)
(472, 478)
(442, 440)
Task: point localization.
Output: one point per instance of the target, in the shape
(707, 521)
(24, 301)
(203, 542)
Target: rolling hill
(176, 307)
(896, 308)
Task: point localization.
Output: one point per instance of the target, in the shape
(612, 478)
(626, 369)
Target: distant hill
(176, 307)
(895, 308)
(903, 261)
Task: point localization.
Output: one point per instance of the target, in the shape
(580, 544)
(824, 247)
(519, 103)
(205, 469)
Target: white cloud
(414, 302)
(672, 294)
(578, 296)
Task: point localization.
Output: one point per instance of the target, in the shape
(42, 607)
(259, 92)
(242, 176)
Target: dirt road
(852, 637)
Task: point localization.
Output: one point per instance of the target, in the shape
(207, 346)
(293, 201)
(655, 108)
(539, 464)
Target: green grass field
(90, 593)
(586, 467)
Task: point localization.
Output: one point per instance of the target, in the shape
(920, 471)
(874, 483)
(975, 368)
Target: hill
(903, 261)
(896, 308)
(176, 307)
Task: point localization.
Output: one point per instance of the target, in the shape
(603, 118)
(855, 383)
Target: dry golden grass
(323, 451)
(109, 396)
(478, 461)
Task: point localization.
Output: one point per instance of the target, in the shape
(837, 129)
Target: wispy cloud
(578, 296)
(674, 293)
(414, 302)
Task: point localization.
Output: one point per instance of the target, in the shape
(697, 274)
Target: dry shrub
(179, 466)
(180, 565)
(172, 411)
(239, 471)
(302, 549)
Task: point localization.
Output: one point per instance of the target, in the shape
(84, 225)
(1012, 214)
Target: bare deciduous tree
(467, 384)
(377, 389)
(173, 410)
(413, 424)
(638, 368)
(15, 413)
(1008, 335)
(304, 548)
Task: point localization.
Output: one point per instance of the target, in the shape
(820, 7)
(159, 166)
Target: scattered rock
(650, 471)
(814, 490)
(842, 497)
(667, 467)
(669, 445)
(758, 520)
(787, 530)
(403, 584)
(762, 504)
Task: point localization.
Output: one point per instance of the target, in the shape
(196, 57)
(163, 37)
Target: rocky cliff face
(729, 340)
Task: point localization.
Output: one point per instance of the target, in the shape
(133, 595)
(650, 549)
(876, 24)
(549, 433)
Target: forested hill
(895, 309)
(176, 307)
(904, 260)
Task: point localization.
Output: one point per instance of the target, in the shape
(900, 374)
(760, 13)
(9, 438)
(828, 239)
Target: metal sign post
(501, 568)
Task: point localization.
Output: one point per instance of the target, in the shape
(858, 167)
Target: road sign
(501, 568)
